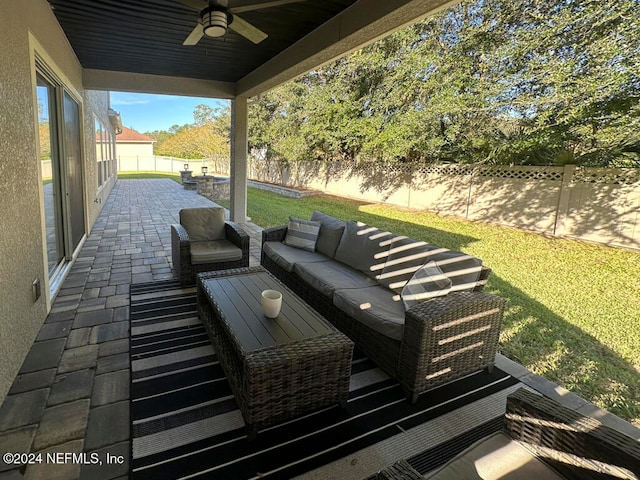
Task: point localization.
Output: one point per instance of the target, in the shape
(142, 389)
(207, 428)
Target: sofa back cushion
(463, 270)
(302, 234)
(364, 248)
(331, 230)
(406, 256)
(203, 224)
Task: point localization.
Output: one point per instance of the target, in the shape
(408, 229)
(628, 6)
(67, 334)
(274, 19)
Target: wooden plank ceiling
(146, 36)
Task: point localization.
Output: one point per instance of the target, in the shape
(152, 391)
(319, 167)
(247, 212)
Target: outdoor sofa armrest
(274, 234)
(236, 235)
(448, 337)
(575, 445)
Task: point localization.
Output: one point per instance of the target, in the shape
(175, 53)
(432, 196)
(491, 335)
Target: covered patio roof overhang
(126, 45)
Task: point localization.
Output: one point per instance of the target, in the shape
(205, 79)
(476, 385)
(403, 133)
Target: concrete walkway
(72, 392)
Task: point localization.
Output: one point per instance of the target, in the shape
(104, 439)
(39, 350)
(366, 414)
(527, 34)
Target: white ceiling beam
(361, 24)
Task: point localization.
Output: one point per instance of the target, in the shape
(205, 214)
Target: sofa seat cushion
(364, 248)
(331, 230)
(214, 251)
(286, 256)
(327, 277)
(495, 457)
(377, 307)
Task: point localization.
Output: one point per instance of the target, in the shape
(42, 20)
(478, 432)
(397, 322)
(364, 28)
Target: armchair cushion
(496, 457)
(203, 224)
(214, 251)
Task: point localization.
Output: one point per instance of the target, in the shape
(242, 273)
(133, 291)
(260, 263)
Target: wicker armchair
(204, 241)
(573, 445)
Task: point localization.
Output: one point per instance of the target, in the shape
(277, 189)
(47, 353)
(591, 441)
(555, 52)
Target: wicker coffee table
(277, 368)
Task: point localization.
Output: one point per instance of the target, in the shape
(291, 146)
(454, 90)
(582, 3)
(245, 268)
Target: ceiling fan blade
(195, 4)
(247, 30)
(195, 35)
(258, 6)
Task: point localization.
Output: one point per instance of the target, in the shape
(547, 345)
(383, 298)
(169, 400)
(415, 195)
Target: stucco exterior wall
(27, 27)
(132, 150)
(95, 102)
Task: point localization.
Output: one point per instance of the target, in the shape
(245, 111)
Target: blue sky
(149, 112)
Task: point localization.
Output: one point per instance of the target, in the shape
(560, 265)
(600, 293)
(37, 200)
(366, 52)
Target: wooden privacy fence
(596, 204)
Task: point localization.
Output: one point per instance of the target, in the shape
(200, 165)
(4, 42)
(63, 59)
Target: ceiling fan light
(214, 22)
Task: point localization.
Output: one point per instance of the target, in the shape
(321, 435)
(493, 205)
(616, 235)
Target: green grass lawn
(139, 175)
(573, 307)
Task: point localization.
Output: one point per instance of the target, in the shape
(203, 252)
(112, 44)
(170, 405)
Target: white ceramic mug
(271, 303)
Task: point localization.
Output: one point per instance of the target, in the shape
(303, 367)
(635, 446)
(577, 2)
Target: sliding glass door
(73, 162)
(59, 124)
(50, 165)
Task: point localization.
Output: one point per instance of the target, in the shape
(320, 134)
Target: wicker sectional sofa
(358, 277)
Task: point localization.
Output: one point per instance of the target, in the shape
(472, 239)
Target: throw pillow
(302, 234)
(427, 282)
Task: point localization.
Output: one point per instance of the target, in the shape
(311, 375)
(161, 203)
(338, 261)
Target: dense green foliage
(544, 82)
(206, 137)
(572, 312)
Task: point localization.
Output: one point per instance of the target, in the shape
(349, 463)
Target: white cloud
(119, 98)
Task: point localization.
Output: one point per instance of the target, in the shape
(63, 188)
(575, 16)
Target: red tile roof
(129, 135)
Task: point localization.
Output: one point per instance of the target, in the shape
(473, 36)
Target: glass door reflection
(50, 160)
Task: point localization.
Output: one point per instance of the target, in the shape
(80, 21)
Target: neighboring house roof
(129, 135)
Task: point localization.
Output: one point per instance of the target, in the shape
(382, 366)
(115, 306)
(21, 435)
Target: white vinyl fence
(157, 163)
(595, 204)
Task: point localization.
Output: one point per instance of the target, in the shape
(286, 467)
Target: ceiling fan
(216, 16)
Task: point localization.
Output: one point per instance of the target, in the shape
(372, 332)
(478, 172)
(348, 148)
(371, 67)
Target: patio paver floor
(72, 392)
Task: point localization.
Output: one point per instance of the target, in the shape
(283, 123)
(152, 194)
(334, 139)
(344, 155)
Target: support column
(239, 151)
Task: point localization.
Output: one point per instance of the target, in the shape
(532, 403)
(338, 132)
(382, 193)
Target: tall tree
(503, 81)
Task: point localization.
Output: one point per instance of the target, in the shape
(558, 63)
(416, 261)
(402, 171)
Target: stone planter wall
(214, 188)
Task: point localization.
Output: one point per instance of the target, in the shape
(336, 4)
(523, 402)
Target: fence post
(562, 212)
(472, 178)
